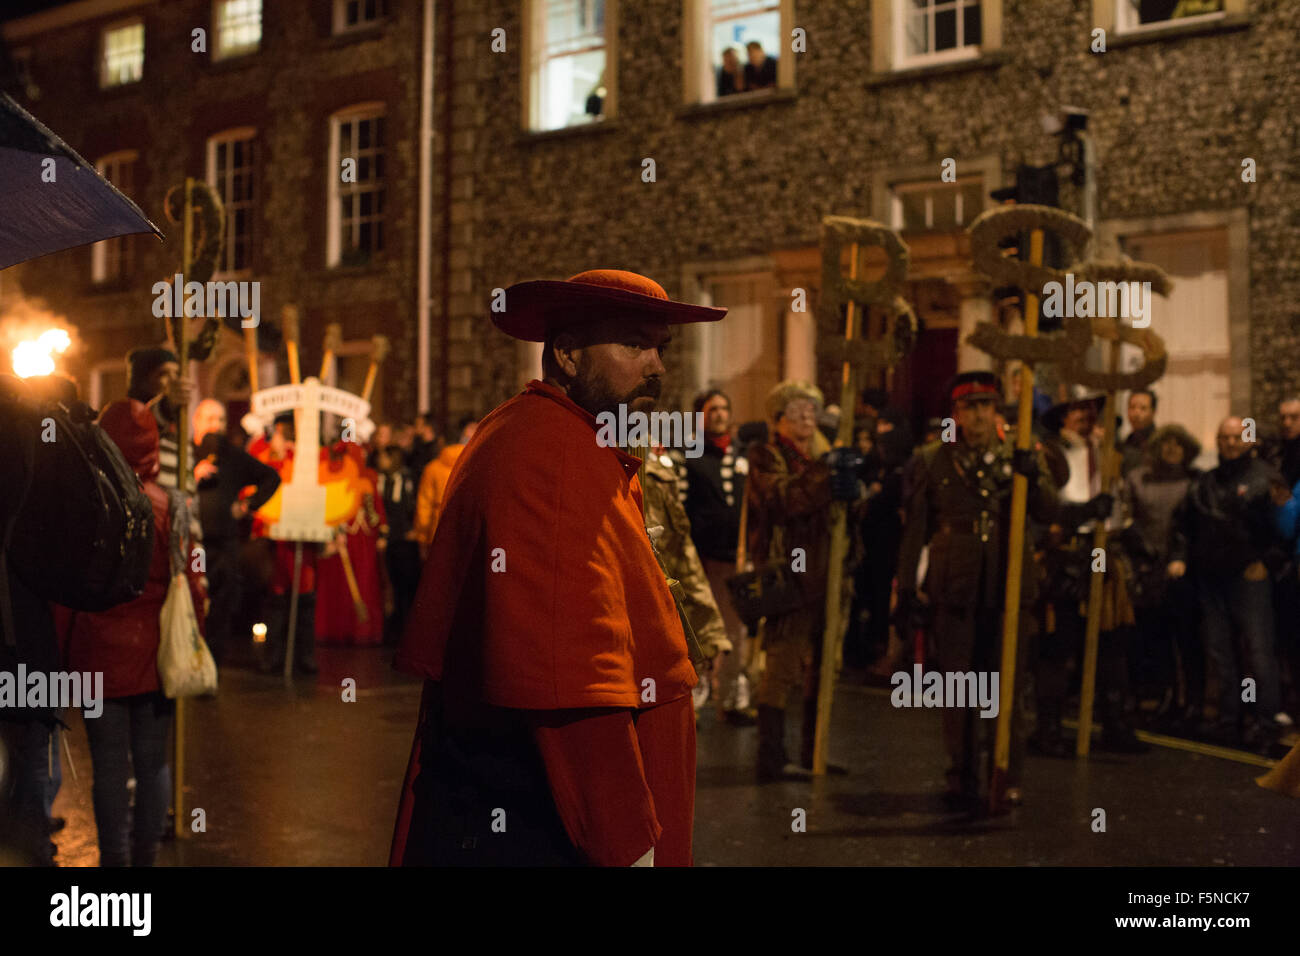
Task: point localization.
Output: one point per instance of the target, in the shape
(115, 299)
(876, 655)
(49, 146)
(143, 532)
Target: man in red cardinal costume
(556, 725)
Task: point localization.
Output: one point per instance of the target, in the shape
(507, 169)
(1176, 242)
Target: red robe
(558, 680)
(336, 614)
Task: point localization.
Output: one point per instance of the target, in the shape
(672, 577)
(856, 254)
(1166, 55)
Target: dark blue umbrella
(38, 217)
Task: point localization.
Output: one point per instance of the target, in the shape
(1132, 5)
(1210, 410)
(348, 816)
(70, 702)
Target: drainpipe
(444, 294)
(424, 256)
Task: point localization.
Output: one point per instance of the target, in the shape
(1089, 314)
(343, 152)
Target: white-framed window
(121, 53)
(356, 208)
(936, 31)
(567, 45)
(232, 160)
(357, 14)
(924, 206)
(734, 47)
(1133, 15)
(237, 27)
(111, 259)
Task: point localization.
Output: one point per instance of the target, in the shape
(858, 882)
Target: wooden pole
(378, 352)
(1015, 554)
(250, 350)
(839, 549)
(182, 482)
(1109, 474)
(290, 639)
(349, 575)
(289, 324)
(333, 341)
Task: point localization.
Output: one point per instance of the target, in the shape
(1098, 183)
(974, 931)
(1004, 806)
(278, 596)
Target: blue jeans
(130, 735)
(1231, 603)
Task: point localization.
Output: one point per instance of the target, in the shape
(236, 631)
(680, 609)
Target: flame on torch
(36, 356)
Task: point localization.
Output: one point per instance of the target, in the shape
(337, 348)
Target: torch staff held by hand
(1015, 554)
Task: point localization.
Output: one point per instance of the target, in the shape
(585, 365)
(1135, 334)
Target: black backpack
(83, 535)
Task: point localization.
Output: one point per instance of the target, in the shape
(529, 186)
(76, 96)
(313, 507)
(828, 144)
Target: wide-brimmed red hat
(538, 307)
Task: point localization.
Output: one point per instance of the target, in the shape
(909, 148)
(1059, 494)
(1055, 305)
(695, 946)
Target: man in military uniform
(958, 500)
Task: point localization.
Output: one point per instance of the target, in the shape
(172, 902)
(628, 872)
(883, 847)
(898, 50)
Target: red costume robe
(556, 724)
(336, 614)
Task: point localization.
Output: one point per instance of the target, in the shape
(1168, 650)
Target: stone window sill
(987, 61)
(581, 129)
(1175, 30)
(738, 101)
(376, 268)
(371, 31)
(235, 62)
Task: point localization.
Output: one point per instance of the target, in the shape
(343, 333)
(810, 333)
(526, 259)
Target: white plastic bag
(185, 665)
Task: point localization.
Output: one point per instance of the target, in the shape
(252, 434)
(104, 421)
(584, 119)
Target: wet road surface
(296, 776)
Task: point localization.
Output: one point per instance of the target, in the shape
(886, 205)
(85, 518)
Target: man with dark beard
(556, 724)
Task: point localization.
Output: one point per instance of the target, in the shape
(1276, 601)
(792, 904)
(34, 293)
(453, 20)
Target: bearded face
(621, 364)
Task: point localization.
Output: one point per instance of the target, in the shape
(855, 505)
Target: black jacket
(397, 490)
(1225, 521)
(236, 470)
(714, 486)
(1284, 455)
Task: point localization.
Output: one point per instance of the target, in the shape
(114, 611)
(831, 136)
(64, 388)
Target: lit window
(569, 85)
(1135, 14)
(238, 27)
(356, 215)
(110, 259)
(744, 37)
(231, 158)
(918, 207)
(937, 30)
(121, 59)
(354, 14)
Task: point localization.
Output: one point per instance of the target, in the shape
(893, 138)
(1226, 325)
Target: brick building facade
(860, 120)
(266, 123)
(859, 126)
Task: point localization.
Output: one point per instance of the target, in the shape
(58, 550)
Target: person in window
(731, 78)
(760, 71)
(595, 107)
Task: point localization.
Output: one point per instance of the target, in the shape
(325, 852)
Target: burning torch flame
(36, 357)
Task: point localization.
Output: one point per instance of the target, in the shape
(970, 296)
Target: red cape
(541, 591)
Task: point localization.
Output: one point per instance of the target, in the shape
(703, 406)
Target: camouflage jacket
(663, 508)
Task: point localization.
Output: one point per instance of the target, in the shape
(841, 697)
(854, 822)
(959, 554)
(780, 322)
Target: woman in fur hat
(1163, 607)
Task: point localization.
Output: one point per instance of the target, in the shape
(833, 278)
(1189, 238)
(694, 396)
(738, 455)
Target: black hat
(142, 363)
(975, 385)
(1054, 417)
